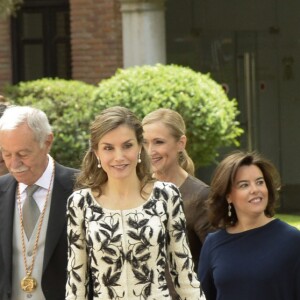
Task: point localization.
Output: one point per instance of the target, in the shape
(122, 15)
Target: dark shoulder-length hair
(224, 177)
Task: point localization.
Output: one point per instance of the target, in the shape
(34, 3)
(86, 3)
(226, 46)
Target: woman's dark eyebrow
(108, 144)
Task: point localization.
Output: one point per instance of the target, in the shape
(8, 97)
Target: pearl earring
(139, 158)
(229, 210)
(99, 164)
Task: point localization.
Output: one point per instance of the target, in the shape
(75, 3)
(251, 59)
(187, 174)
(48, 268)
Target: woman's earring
(99, 164)
(229, 210)
(139, 158)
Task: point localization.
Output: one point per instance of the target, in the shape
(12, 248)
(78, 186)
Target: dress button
(29, 253)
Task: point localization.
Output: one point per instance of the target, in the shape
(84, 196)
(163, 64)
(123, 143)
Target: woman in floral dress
(123, 227)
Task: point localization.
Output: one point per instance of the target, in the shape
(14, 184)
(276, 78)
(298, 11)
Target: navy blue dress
(258, 264)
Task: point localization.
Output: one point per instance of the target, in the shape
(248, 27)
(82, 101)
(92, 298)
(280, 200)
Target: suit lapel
(57, 216)
(7, 206)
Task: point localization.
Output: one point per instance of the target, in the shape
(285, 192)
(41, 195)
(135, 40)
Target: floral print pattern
(123, 254)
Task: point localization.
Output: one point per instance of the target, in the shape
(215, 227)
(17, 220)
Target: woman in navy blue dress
(253, 256)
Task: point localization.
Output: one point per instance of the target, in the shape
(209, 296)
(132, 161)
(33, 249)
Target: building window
(41, 40)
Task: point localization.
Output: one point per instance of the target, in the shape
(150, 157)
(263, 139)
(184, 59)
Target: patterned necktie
(30, 211)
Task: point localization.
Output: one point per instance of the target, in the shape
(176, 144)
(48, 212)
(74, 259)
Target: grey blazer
(55, 256)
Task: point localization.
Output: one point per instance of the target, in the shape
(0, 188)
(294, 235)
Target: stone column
(143, 23)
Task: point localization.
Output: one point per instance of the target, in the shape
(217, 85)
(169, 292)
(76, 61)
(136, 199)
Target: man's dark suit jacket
(55, 256)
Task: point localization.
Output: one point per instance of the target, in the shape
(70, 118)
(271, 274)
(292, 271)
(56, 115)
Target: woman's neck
(122, 188)
(248, 223)
(121, 195)
(175, 175)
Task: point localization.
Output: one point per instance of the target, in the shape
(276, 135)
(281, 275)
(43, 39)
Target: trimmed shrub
(209, 115)
(67, 104)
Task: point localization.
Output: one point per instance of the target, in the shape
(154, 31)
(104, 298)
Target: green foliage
(71, 105)
(209, 115)
(9, 7)
(68, 107)
(293, 220)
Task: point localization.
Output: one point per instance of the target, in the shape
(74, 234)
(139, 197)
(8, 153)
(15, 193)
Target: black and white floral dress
(122, 254)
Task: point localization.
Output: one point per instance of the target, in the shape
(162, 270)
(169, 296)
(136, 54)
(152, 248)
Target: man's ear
(49, 141)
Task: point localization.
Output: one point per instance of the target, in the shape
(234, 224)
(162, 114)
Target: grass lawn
(294, 220)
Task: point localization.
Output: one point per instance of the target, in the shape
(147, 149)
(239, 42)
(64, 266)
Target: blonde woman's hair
(175, 123)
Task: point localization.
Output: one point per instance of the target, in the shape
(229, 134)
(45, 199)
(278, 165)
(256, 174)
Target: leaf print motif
(156, 192)
(116, 239)
(143, 233)
(186, 264)
(147, 271)
(176, 199)
(149, 204)
(179, 229)
(93, 257)
(74, 239)
(89, 199)
(142, 223)
(89, 242)
(133, 235)
(176, 210)
(142, 278)
(110, 251)
(76, 276)
(111, 279)
(106, 226)
(97, 236)
(145, 257)
(71, 211)
(95, 217)
(161, 237)
(164, 194)
(115, 227)
(74, 289)
(181, 255)
(133, 223)
(141, 248)
(97, 209)
(107, 235)
(147, 291)
(174, 188)
(81, 203)
(71, 220)
(119, 263)
(190, 277)
(135, 262)
(108, 260)
(137, 242)
(110, 293)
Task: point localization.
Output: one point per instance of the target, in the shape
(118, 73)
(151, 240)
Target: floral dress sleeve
(77, 281)
(180, 259)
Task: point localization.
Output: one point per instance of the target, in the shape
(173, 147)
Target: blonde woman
(165, 142)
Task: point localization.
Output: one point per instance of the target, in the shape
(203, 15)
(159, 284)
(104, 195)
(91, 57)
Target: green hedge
(67, 104)
(71, 105)
(209, 115)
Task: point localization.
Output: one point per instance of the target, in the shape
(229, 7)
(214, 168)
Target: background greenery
(9, 7)
(211, 118)
(67, 104)
(294, 220)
